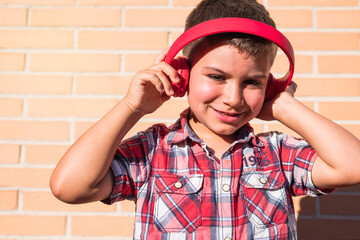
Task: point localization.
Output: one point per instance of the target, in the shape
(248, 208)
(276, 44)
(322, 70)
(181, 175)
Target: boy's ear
(181, 65)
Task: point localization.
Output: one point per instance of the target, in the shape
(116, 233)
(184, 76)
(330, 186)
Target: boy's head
(229, 71)
(212, 9)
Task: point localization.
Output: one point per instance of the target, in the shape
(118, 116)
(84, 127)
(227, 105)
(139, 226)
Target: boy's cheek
(201, 83)
(254, 96)
(202, 90)
(254, 99)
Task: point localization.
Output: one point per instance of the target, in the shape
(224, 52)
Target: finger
(292, 87)
(165, 84)
(169, 74)
(161, 57)
(157, 79)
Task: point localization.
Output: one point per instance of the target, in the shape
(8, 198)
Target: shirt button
(178, 185)
(227, 238)
(263, 180)
(226, 187)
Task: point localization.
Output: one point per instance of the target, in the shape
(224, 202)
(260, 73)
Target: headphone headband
(242, 25)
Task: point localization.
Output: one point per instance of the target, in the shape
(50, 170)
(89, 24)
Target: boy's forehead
(208, 44)
(223, 56)
(251, 45)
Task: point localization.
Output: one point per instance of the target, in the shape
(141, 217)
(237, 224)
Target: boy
(208, 176)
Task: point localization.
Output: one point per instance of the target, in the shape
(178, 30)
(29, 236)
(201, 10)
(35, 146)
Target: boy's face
(226, 90)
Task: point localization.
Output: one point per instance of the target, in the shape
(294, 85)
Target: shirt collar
(181, 130)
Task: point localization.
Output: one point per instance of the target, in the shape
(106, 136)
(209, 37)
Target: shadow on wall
(336, 216)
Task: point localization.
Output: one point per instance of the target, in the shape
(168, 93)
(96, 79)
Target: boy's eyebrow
(259, 76)
(218, 70)
(256, 76)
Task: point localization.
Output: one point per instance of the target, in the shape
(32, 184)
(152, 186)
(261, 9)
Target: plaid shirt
(182, 191)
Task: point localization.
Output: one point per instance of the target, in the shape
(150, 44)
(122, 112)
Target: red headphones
(222, 25)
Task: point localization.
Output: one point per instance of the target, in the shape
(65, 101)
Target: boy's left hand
(268, 111)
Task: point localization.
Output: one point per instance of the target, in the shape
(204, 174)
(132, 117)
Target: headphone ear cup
(274, 87)
(181, 65)
(269, 88)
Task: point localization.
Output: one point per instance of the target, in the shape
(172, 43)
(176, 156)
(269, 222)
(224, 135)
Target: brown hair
(251, 9)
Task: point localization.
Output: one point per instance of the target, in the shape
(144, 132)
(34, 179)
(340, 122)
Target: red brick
(12, 61)
(102, 226)
(127, 206)
(27, 225)
(346, 205)
(305, 206)
(135, 62)
(327, 86)
(292, 18)
(24, 177)
(312, 3)
(303, 64)
(162, 17)
(340, 110)
(11, 107)
(326, 41)
(79, 17)
(122, 40)
(36, 39)
(328, 229)
(39, 2)
(69, 107)
(74, 62)
(81, 127)
(344, 18)
(35, 84)
(170, 109)
(102, 84)
(123, 2)
(44, 154)
(187, 3)
(9, 153)
(34, 130)
(353, 189)
(44, 201)
(9, 200)
(13, 16)
(339, 64)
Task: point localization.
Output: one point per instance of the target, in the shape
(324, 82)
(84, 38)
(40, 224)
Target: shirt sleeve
(298, 158)
(131, 165)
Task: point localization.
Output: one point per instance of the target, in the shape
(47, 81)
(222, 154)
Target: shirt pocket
(178, 202)
(266, 201)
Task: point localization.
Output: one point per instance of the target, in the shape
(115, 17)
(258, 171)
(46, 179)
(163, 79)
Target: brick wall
(63, 64)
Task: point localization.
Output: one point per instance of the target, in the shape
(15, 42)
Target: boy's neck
(218, 143)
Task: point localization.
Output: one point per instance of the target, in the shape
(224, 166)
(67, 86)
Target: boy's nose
(232, 95)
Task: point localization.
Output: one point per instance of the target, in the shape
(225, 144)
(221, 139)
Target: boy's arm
(338, 163)
(83, 174)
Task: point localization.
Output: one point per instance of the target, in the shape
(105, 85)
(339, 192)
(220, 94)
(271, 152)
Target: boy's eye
(253, 82)
(216, 77)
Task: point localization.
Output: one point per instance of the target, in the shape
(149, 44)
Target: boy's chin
(226, 133)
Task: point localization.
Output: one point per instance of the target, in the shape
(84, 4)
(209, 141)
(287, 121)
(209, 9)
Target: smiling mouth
(226, 113)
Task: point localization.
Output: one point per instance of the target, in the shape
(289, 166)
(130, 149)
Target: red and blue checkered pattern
(182, 191)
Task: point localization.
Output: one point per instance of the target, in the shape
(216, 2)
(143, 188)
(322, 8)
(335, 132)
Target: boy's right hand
(151, 87)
